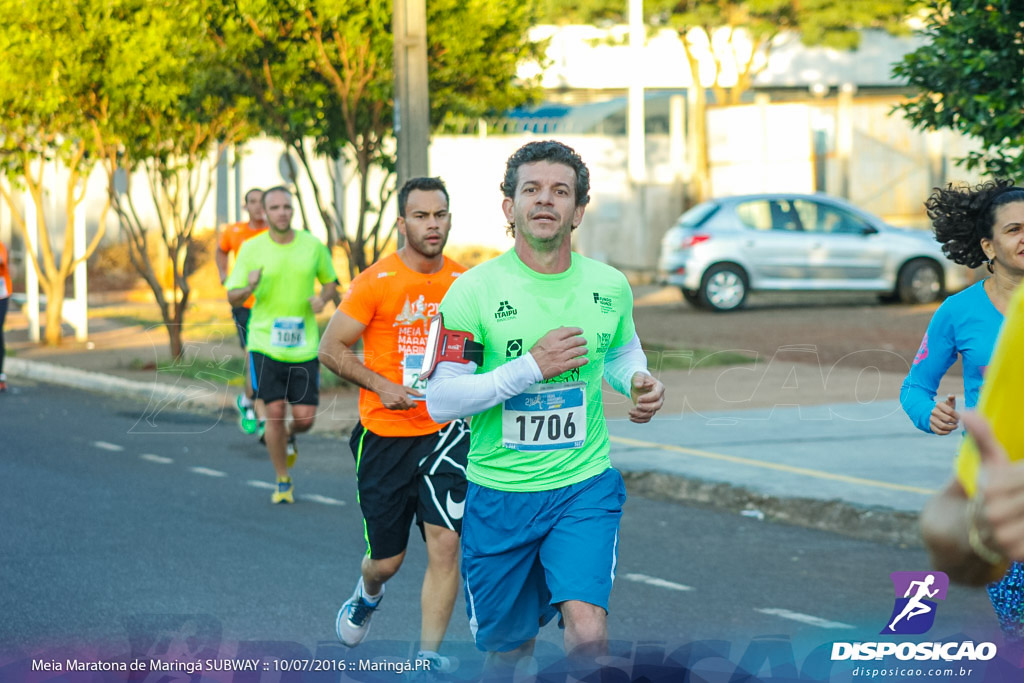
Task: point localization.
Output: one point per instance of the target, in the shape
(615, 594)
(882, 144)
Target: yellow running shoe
(284, 493)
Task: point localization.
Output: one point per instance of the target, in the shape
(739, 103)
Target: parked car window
(784, 215)
(769, 214)
(825, 218)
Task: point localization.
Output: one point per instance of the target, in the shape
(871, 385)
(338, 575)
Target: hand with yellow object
(997, 510)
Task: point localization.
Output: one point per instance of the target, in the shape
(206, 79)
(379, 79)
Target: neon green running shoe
(247, 420)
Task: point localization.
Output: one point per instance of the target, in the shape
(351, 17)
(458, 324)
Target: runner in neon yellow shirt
(281, 267)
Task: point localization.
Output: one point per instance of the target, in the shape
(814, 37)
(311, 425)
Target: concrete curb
(195, 397)
(878, 524)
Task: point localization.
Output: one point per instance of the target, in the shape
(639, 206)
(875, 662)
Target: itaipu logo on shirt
(506, 311)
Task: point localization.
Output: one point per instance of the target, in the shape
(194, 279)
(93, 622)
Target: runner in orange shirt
(407, 465)
(5, 298)
(231, 239)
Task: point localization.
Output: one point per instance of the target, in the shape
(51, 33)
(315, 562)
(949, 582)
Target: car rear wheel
(920, 282)
(724, 288)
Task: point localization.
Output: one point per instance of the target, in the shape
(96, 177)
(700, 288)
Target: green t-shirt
(535, 441)
(283, 325)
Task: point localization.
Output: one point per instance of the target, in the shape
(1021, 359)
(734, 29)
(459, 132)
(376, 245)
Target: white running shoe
(353, 621)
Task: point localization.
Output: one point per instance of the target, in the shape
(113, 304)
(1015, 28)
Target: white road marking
(653, 581)
(802, 618)
(261, 484)
(108, 446)
(157, 458)
(317, 498)
(208, 472)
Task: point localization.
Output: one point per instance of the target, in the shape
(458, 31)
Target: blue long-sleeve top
(967, 324)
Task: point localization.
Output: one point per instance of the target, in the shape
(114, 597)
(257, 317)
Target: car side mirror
(869, 230)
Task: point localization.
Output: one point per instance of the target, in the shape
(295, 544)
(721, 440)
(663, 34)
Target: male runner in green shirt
(281, 267)
(542, 511)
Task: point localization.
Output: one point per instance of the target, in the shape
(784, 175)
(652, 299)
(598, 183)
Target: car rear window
(697, 215)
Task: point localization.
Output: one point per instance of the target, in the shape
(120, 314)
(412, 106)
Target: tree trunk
(176, 340)
(700, 176)
(54, 334)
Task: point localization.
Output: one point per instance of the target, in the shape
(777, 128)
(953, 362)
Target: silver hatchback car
(722, 249)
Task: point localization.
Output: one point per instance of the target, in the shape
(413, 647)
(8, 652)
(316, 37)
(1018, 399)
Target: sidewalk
(820, 447)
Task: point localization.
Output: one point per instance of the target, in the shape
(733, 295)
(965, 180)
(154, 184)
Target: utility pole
(412, 98)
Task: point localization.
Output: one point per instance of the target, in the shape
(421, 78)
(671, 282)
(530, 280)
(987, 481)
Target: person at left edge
(281, 267)
(5, 297)
(407, 465)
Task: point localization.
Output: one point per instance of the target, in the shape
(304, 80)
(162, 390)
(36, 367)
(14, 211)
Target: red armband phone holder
(453, 346)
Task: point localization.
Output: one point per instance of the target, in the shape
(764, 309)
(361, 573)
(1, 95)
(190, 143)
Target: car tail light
(694, 240)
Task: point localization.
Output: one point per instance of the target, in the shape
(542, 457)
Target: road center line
(107, 446)
(818, 474)
(317, 498)
(208, 472)
(802, 618)
(157, 458)
(261, 484)
(654, 581)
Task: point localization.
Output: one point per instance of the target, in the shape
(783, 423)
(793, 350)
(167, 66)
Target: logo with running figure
(914, 610)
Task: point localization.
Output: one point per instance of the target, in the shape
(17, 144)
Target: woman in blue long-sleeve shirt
(969, 223)
(981, 224)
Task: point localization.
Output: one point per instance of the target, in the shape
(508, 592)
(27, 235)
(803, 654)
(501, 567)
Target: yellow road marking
(818, 474)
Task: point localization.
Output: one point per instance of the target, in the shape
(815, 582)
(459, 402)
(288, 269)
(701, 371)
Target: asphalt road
(127, 528)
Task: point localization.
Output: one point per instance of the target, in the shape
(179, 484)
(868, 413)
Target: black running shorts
(274, 380)
(405, 477)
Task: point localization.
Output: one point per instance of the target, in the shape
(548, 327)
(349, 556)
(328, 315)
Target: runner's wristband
(978, 546)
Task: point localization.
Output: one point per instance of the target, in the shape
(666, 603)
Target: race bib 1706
(546, 417)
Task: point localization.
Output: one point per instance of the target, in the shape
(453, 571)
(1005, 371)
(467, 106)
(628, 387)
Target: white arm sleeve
(622, 362)
(453, 391)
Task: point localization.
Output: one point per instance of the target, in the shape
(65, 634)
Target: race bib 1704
(546, 417)
(288, 332)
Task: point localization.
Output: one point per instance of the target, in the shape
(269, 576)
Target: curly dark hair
(963, 215)
(554, 152)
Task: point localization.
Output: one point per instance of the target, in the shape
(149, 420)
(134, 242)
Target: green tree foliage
(970, 76)
(583, 11)
(45, 86)
(164, 112)
(322, 73)
(144, 88)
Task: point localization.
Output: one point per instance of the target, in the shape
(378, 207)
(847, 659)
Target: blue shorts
(525, 553)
